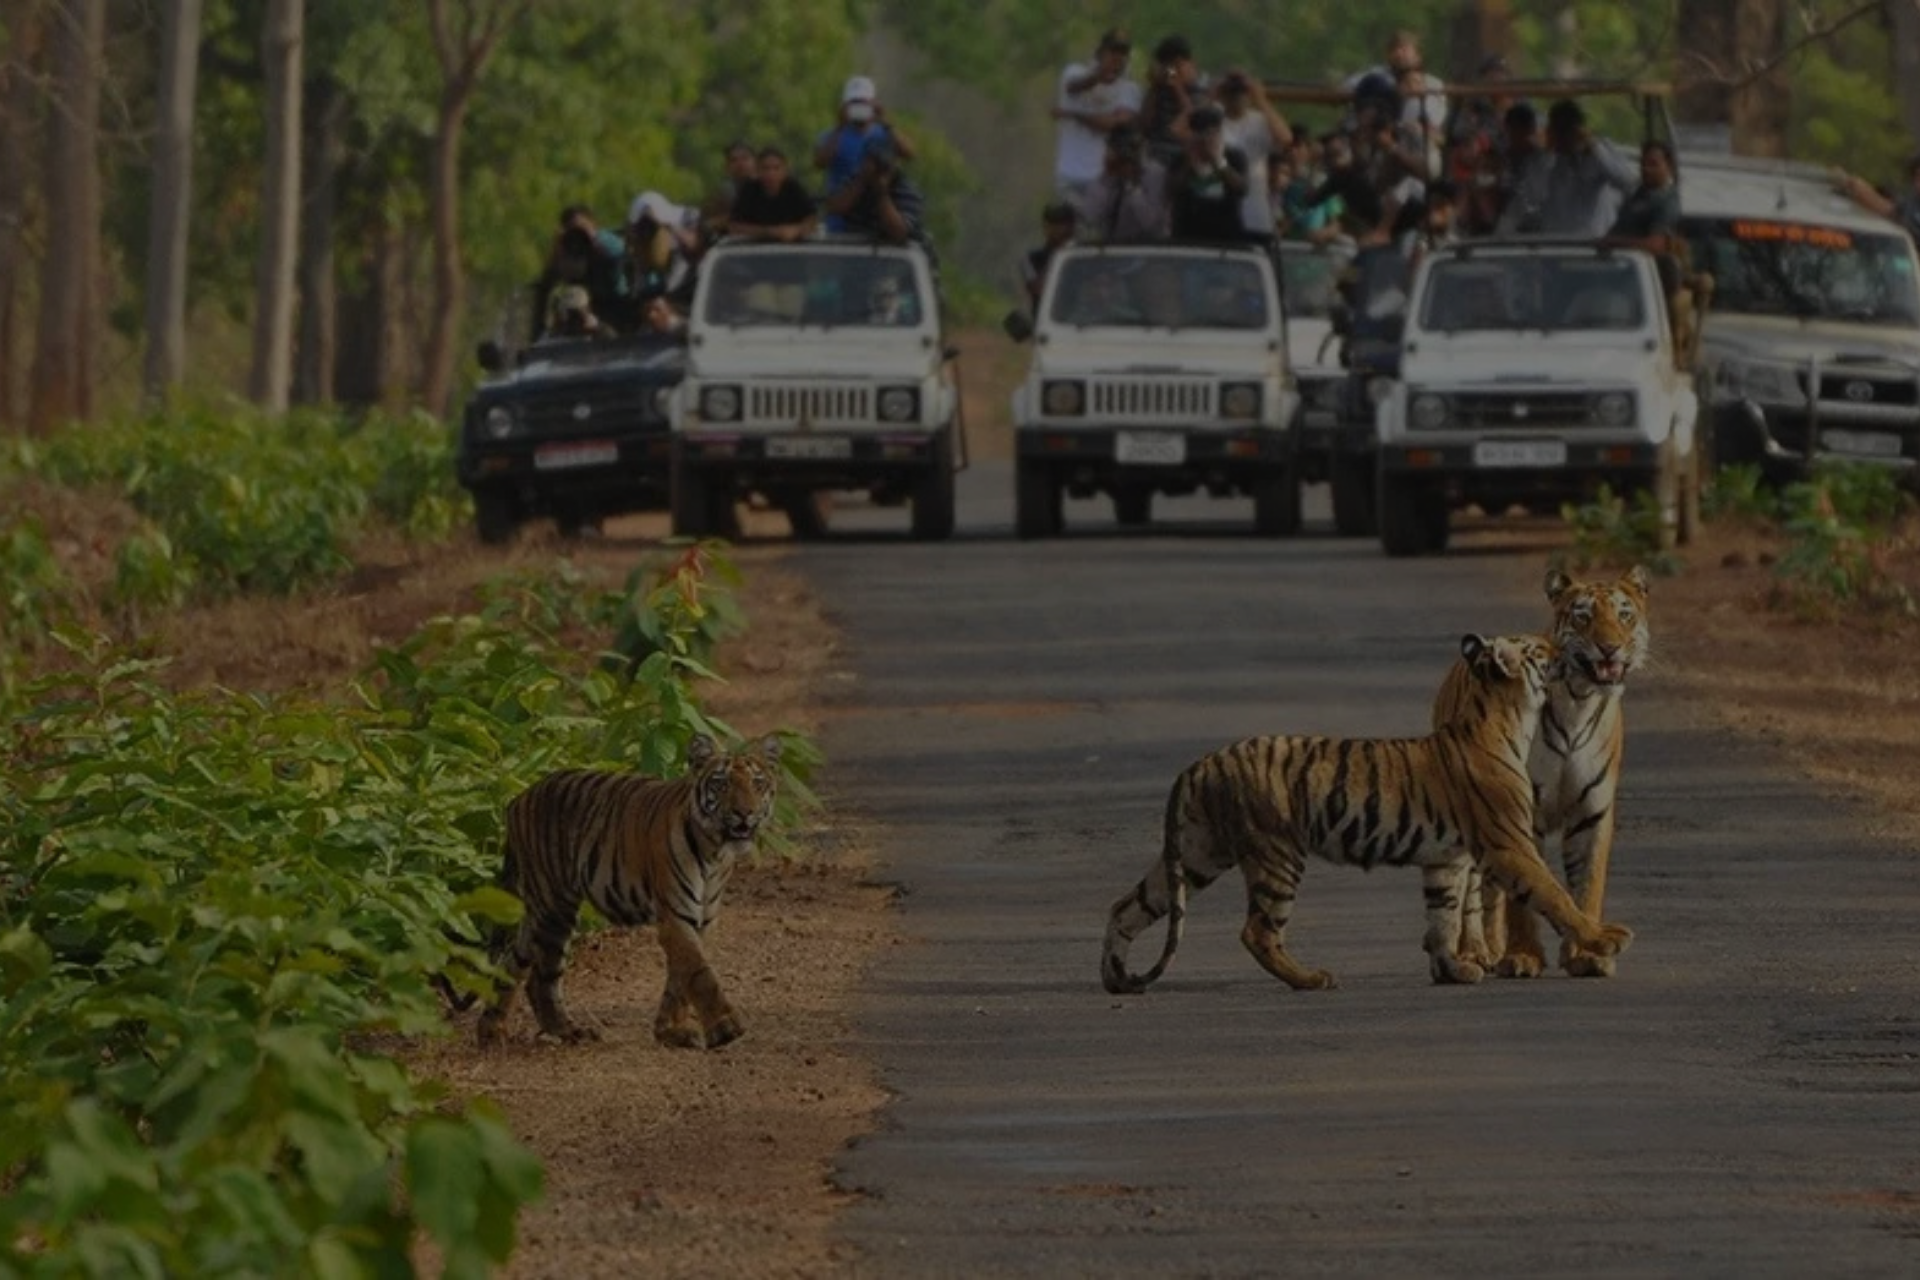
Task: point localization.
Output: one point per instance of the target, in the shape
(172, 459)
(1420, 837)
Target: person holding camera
(879, 200)
(1252, 127)
(1095, 98)
(584, 254)
(1902, 208)
(1577, 193)
(1174, 89)
(1209, 183)
(1128, 201)
(842, 149)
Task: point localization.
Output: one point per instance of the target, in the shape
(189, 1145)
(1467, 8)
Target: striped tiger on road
(1442, 803)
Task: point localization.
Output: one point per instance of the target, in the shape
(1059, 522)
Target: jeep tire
(807, 514)
(1351, 480)
(933, 497)
(700, 499)
(496, 515)
(1276, 503)
(1132, 503)
(1414, 520)
(1038, 504)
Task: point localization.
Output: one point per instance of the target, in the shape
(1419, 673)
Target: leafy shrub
(35, 596)
(1611, 530)
(214, 908)
(1839, 525)
(1739, 493)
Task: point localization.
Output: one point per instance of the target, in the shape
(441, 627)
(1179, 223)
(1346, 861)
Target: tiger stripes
(1602, 629)
(1442, 803)
(642, 851)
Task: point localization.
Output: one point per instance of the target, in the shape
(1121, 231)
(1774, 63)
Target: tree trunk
(61, 392)
(1904, 17)
(449, 277)
(280, 59)
(1720, 42)
(1480, 29)
(17, 98)
(172, 200)
(313, 375)
(368, 371)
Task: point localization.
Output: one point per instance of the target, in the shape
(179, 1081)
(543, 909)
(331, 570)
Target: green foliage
(245, 502)
(1839, 525)
(35, 595)
(1616, 530)
(214, 908)
(1739, 493)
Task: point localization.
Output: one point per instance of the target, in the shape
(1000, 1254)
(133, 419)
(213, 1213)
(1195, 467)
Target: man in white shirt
(1251, 124)
(1426, 108)
(1094, 98)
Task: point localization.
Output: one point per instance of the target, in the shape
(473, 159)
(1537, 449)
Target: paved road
(1743, 1100)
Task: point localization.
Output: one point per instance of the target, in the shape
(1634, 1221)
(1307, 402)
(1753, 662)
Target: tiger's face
(733, 791)
(1517, 666)
(1601, 628)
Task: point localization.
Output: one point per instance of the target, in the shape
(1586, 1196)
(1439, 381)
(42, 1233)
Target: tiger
(1602, 630)
(1443, 803)
(642, 851)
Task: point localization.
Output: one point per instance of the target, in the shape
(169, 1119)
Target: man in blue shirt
(841, 149)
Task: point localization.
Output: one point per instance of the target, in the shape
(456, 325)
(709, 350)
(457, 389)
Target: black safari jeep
(576, 429)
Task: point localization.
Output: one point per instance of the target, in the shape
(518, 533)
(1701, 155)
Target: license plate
(1520, 453)
(816, 447)
(587, 453)
(1150, 448)
(1865, 444)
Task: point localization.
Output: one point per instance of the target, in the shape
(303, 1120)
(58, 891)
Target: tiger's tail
(1137, 910)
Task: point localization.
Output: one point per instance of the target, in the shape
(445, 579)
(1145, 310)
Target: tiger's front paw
(1317, 980)
(571, 1033)
(724, 1029)
(680, 1035)
(1582, 965)
(1520, 964)
(1456, 971)
(1612, 940)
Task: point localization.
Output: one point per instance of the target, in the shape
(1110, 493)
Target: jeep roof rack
(1482, 244)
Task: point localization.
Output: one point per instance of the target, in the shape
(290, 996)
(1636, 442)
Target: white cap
(858, 89)
(664, 211)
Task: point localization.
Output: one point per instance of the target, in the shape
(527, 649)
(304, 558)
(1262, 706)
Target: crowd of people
(1187, 157)
(639, 279)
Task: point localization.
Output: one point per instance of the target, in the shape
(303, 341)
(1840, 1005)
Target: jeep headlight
(661, 401)
(1427, 411)
(1063, 399)
(1239, 399)
(1614, 409)
(720, 404)
(899, 404)
(500, 422)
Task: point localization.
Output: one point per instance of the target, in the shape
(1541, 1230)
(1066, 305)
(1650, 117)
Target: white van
(1811, 344)
(815, 367)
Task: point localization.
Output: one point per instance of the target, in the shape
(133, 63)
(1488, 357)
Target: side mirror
(491, 358)
(1017, 325)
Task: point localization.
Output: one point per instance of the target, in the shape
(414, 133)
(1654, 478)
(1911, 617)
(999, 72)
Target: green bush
(214, 910)
(1611, 530)
(1839, 525)
(1739, 493)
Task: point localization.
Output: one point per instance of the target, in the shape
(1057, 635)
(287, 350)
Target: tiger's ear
(1638, 578)
(1557, 584)
(700, 749)
(1472, 646)
(769, 748)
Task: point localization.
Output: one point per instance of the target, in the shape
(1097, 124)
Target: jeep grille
(815, 403)
(1850, 396)
(1521, 410)
(1153, 399)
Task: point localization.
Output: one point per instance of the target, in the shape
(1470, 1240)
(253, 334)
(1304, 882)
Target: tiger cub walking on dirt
(1601, 628)
(1443, 803)
(642, 851)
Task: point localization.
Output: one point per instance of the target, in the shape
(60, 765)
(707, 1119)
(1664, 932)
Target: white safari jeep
(1532, 372)
(815, 367)
(1157, 368)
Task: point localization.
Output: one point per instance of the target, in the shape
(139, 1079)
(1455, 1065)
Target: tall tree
(324, 148)
(62, 389)
(17, 94)
(1730, 71)
(172, 198)
(280, 60)
(462, 44)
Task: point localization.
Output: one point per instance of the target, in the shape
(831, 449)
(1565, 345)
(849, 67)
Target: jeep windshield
(1536, 292)
(813, 288)
(1767, 268)
(1160, 291)
(559, 356)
